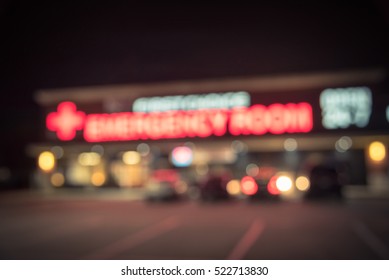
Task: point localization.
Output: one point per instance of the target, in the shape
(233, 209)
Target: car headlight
(302, 183)
(284, 183)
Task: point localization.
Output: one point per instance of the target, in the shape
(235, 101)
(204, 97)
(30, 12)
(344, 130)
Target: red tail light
(248, 185)
(271, 186)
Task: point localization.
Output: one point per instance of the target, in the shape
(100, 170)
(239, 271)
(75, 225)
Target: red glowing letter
(305, 118)
(238, 121)
(275, 120)
(257, 117)
(218, 121)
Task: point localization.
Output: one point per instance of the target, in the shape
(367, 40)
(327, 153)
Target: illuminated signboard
(225, 100)
(255, 120)
(66, 121)
(343, 107)
(224, 114)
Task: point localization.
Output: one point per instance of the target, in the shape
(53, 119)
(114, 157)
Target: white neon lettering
(343, 107)
(226, 100)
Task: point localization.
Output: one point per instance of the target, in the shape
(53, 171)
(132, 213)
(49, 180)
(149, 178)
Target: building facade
(118, 136)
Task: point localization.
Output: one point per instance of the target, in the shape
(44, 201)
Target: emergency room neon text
(255, 120)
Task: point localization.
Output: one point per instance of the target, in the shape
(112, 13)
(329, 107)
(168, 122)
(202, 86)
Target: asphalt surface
(47, 227)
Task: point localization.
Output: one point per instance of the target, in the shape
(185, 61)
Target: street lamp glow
(98, 179)
(89, 159)
(233, 187)
(377, 151)
(302, 183)
(46, 161)
(131, 158)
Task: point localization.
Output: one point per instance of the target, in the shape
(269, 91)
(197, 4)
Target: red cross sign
(66, 121)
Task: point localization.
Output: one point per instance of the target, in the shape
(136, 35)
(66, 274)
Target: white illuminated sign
(225, 100)
(343, 107)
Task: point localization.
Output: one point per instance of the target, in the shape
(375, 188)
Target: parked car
(260, 189)
(163, 185)
(214, 188)
(324, 180)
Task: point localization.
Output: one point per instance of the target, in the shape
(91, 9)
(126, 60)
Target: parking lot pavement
(81, 194)
(366, 192)
(48, 227)
(350, 192)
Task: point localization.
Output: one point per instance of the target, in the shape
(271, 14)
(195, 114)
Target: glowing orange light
(272, 186)
(248, 185)
(233, 187)
(302, 183)
(66, 121)
(46, 161)
(98, 179)
(131, 158)
(377, 151)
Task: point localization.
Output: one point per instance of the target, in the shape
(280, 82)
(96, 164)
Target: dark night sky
(52, 45)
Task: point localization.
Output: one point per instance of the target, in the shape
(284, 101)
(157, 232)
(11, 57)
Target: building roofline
(267, 83)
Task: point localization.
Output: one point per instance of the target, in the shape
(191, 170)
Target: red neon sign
(276, 119)
(255, 120)
(66, 121)
(161, 125)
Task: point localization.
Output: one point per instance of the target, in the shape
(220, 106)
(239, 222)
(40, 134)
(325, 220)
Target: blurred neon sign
(275, 119)
(255, 120)
(182, 156)
(224, 100)
(66, 121)
(343, 107)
